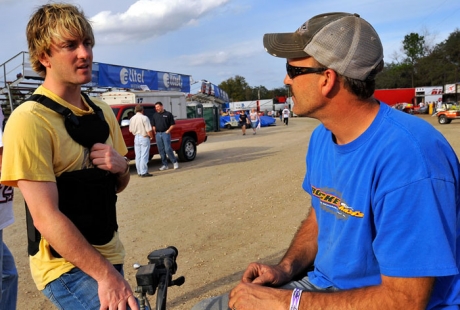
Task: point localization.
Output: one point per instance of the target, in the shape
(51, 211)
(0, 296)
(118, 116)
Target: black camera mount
(157, 274)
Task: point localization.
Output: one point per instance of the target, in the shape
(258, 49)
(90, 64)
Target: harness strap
(66, 112)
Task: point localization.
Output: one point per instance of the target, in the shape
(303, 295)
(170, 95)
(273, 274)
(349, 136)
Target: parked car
(448, 112)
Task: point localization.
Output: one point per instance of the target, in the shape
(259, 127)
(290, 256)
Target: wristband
(295, 299)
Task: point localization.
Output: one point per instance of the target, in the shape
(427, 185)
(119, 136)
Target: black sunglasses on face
(295, 71)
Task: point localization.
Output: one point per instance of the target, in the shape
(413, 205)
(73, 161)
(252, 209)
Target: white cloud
(147, 19)
(232, 54)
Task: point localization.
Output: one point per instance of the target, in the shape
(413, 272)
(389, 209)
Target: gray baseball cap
(343, 42)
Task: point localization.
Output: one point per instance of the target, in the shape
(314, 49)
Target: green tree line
(421, 65)
(239, 90)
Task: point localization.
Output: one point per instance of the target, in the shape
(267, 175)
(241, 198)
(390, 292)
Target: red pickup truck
(185, 136)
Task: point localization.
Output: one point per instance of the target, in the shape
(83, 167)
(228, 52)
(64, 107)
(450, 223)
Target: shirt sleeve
(27, 156)
(147, 125)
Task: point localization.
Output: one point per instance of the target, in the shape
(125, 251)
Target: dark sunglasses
(295, 71)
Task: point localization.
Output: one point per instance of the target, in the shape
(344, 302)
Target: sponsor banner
(450, 89)
(219, 93)
(210, 89)
(173, 82)
(126, 77)
(94, 76)
(105, 75)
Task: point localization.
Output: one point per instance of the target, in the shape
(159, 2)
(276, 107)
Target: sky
(215, 40)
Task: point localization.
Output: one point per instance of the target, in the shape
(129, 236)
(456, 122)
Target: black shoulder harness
(87, 197)
(85, 130)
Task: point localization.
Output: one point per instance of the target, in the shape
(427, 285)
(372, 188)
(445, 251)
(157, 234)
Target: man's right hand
(115, 293)
(264, 274)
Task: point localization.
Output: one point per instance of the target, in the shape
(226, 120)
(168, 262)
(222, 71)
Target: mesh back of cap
(349, 45)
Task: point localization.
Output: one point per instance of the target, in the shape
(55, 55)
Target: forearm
(304, 246)
(59, 231)
(64, 237)
(170, 128)
(393, 293)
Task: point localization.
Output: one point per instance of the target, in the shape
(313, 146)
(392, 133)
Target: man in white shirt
(286, 114)
(140, 127)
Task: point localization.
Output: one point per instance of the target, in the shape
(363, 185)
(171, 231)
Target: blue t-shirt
(386, 203)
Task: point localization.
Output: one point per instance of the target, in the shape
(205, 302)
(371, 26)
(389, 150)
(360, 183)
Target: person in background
(9, 283)
(439, 106)
(377, 235)
(423, 107)
(232, 116)
(141, 128)
(243, 121)
(163, 124)
(65, 153)
(286, 114)
(255, 119)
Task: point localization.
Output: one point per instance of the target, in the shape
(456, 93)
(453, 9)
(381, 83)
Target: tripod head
(158, 272)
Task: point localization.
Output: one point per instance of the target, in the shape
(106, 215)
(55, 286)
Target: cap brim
(285, 45)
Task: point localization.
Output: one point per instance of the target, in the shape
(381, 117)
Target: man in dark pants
(163, 123)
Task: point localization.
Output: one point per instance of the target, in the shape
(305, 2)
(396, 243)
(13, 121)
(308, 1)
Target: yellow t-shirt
(37, 147)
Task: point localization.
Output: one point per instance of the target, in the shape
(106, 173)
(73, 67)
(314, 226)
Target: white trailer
(428, 94)
(264, 105)
(173, 101)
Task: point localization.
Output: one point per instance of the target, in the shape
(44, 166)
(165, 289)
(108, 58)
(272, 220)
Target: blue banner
(210, 89)
(105, 75)
(219, 93)
(173, 82)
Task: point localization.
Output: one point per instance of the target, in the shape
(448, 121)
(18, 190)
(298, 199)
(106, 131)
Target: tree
(451, 48)
(236, 88)
(394, 75)
(414, 47)
(259, 92)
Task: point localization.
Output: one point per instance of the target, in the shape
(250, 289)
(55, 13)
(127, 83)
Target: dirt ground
(239, 201)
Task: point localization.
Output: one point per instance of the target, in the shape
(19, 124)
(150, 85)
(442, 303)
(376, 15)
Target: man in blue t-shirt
(379, 235)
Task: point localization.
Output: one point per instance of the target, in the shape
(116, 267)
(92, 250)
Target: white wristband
(295, 299)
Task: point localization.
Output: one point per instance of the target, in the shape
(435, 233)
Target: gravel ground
(239, 201)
